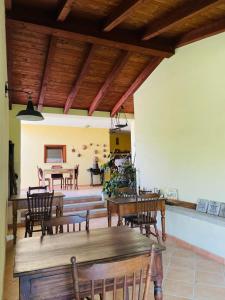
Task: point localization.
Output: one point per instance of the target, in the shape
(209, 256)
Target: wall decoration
(104, 145)
(104, 150)
(213, 208)
(222, 210)
(79, 155)
(91, 144)
(97, 145)
(73, 149)
(104, 155)
(96, 152)
(202, 205)
(84, 147)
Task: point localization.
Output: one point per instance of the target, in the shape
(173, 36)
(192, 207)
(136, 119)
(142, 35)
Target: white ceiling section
(76, 121)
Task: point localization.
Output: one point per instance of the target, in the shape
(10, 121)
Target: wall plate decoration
(84, 147)
(96, 152)
(97, 145)
(222, 210)
(104, 155)
(78, 155)
(202, 205)
(213, 208)
(104, 145)
(91, 144)
(104, 150)
(73, 150)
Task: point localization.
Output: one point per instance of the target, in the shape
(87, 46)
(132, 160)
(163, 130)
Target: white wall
(4, 139)
(180, 122)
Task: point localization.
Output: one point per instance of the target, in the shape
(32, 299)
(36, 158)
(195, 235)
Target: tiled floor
(187, 276)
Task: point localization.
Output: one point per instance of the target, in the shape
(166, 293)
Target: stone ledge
(216, 220)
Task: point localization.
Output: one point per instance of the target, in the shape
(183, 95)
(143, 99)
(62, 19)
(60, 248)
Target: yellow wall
(3, 145)
(180, 122)
(124, 141)
(34, 137)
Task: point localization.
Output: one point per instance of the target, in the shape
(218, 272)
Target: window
(55, 153)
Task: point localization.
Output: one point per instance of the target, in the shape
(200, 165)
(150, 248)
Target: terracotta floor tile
(179, 289)
(183, 262)
(181, 274)
(210, 278)
(206, 292)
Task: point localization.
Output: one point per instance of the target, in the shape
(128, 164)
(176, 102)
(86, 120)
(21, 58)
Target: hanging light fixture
(29, 114)
(116, 123)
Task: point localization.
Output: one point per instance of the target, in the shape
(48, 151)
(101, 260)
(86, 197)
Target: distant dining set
(67, 262)
(57, 173)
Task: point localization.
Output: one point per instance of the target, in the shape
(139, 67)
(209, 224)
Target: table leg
(163, 225)
(109, 217)
(158, 290)
(74, 186)
(14, 221)
(120, 220)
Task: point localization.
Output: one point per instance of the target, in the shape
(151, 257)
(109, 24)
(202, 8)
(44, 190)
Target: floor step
(81, 199)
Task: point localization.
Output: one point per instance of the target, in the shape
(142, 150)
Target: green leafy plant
(122, 176)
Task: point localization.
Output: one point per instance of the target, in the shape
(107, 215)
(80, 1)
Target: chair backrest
(134, 273)
(76, 172)
(40, 205)
(37, 189)
(126, 192)
(56, 167)
(40, 173)
(147, 207)
(56, 225)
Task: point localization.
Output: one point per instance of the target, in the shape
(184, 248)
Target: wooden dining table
(20, 202)
(69, 171)
(43, 264)
(128, 206)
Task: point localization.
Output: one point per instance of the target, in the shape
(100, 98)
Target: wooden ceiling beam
(8, 4)
(202, 32)
(112, 75)
(65, 9)
(48, 62)
(86, 31)
(176, 16)
(137, 83)
(81, 76)
(121, 13)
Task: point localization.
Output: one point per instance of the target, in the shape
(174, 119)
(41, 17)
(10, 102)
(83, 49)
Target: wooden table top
(125, 200)
(23, 196)
(55, 251)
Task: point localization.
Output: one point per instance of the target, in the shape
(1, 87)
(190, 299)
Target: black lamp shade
(29, 114)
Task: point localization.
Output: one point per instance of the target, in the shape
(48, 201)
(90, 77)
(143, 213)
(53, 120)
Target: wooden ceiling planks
(48, 63)
(182, 13)
(65, 10)
(112, 27)
(137, 83)
(81, 75)
(121, 13)
(121, 62)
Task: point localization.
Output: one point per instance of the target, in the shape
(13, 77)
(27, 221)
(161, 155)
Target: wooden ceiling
(94, 54)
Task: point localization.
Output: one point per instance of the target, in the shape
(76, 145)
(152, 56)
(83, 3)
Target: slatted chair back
(134, 273)
(37, 189)
(146, 212)
(126, 192)
(58, 224)
(39, 206)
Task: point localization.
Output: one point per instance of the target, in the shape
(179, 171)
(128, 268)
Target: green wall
(180, 122)
(3, 146)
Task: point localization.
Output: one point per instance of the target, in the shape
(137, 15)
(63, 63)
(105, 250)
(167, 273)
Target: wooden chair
(113, 276)
(57, 177)
(146, 216)
(127, 192)
(55, 225)
(39, 210)
(69, 180)
(41, 178)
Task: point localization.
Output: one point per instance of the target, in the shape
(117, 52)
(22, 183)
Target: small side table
(99, 172)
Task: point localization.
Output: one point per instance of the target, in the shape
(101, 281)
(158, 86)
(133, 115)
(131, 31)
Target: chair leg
(147, 230)
(156, 233)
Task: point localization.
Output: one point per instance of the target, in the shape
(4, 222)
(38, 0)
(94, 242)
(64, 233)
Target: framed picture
(213, 208)
(222, 210)
(202, 205)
